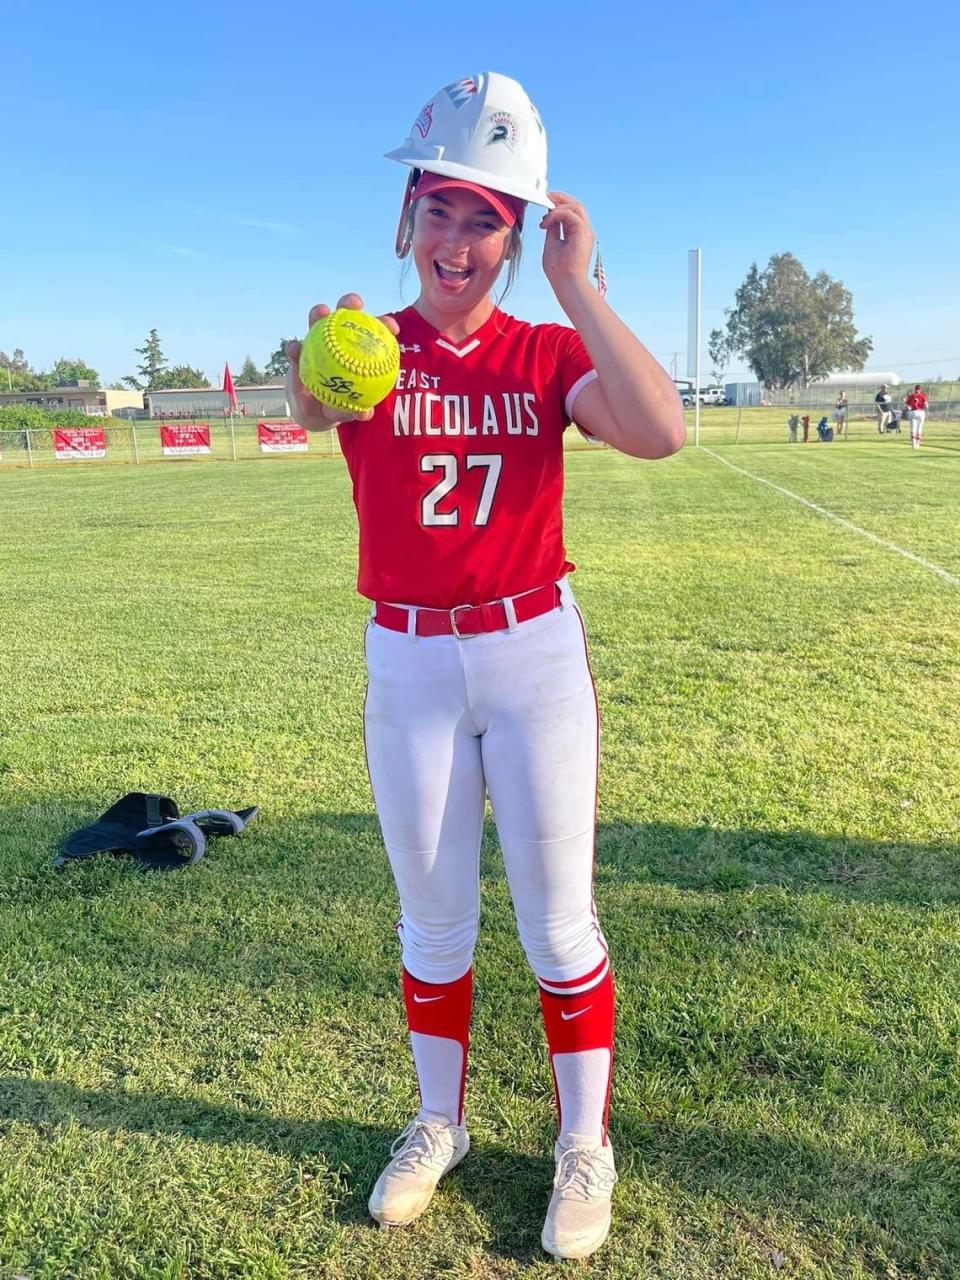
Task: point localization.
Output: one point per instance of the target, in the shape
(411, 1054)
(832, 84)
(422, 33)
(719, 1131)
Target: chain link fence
(139, 442)
(780, 419)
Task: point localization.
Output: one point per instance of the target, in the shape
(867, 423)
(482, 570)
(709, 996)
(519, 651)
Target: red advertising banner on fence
(79, 442)
(282, 437)
(180, 441)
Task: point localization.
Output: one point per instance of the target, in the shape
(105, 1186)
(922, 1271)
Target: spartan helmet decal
(502, 128)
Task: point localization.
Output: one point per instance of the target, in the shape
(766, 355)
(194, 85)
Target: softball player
(916, 403)
(479, 682)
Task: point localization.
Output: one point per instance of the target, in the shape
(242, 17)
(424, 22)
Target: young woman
(916, 403)
(840, 412)
(479, 682)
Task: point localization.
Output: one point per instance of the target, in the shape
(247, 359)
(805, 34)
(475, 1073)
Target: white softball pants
(508, 714)
(917, 418)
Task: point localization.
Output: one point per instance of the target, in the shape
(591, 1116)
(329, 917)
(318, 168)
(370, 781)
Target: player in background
(840, 412)
(884, 408)
(916, 403)
(479, 681)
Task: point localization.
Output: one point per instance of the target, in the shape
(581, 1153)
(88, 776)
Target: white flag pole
(693, 335)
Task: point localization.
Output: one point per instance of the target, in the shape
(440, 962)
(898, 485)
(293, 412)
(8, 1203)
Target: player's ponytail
(514, 254)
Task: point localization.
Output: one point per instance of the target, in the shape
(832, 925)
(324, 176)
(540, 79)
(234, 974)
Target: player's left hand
(568, 247)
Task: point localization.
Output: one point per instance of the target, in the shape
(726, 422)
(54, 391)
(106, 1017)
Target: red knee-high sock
(438, 1016)
(578, 1019)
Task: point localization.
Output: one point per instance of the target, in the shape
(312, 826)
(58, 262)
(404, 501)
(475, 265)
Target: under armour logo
(415, 347)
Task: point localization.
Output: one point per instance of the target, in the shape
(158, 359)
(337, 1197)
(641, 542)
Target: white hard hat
(482, 129)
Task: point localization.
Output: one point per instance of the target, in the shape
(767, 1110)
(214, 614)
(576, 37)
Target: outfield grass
(200, 1072)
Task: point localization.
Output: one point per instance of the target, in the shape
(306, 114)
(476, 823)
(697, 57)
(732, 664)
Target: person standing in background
(917, 410)
(840, 412)
(884, 408)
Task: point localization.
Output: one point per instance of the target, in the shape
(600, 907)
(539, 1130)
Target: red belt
(470, 619)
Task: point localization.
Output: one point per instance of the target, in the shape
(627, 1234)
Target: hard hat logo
(503, 128)
(424, 120)
(461, 91)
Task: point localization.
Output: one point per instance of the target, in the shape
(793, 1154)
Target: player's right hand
(307, 409)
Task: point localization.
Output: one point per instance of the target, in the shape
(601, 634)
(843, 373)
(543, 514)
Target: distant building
(870, 378)
(747, 394)
(267, 401)
(83, 399)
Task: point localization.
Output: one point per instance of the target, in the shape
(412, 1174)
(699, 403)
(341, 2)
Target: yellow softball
(349, 360)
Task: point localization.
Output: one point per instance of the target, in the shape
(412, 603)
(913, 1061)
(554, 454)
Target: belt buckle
(453, 622)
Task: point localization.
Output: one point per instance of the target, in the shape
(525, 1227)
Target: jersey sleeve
(574, 365)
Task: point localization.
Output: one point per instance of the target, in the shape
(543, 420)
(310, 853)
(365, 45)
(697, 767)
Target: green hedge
(24, 417)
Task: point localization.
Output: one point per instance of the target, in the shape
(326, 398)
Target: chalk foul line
(847, 524)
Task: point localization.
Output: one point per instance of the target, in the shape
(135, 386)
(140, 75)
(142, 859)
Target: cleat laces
(419, 1146)
(582, 1176)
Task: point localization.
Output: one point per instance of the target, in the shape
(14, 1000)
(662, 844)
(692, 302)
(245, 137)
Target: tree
(153, 365)
(15, 364)
(719, 354)
(793, 329)
(180, 375)
(66, 371)
(16, 374)
(278, 364)
(250, 375)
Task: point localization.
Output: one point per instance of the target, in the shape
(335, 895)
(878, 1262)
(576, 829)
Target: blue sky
(211, 170)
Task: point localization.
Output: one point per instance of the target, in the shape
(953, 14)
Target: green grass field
(200, 1073)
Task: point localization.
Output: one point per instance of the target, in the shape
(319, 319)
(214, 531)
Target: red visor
(509, 208)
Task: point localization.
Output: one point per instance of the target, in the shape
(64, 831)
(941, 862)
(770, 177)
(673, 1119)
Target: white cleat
(428, 1148)
(578, 1218)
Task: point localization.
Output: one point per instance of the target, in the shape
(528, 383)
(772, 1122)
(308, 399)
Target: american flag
(600, 275)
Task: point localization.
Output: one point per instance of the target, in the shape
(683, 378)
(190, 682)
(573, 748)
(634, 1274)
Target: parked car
(708, 395)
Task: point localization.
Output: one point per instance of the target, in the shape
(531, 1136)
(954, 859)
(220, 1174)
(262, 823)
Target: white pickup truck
(708, 395)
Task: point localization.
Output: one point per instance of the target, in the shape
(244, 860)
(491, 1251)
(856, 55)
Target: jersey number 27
(448, 463)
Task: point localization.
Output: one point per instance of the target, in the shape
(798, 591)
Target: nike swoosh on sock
(567, 1016)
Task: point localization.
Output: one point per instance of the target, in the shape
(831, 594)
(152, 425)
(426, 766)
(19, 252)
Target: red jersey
(917, 400)
(458, 476)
